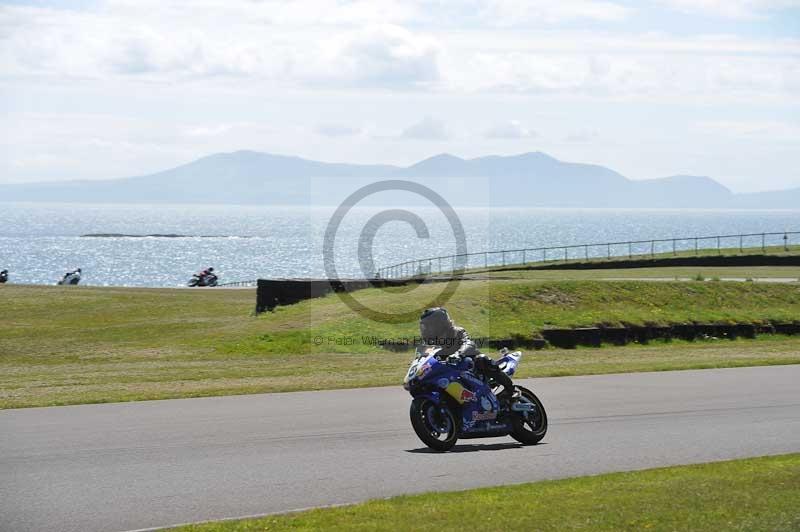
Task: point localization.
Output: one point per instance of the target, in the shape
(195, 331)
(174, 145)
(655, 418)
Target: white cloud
(512, 129)
(209, 130)
(512, 13)
(387, 56)
(337, 130)
(654, 67)
(734, 9)
(581, 135)
(427, 129)
(37, 43)
(142, 44)
(766, 130)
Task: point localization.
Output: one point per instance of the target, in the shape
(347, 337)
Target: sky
(105, 89)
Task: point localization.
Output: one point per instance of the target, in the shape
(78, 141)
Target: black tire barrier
(517, 341)
(706, 260)
(643, 334)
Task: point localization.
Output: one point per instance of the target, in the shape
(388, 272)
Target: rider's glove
(454, 359)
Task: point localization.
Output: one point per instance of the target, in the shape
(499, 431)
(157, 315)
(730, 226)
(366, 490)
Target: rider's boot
(507, 396)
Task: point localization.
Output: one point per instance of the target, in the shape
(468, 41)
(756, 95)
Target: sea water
(39, 242)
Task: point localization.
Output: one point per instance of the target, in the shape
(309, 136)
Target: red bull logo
(467, 395)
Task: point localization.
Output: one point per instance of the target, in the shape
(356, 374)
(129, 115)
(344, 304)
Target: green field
(759, 494)
(66, 345)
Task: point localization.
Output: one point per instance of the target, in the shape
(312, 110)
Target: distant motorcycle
(452, 402)
(3, 276)
(71, 278)
(199, 279)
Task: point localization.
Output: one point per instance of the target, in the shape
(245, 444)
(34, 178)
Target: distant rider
(3, 276)
(72, 277)
(437, 329)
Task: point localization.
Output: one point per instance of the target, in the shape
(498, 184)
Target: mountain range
(531, 179)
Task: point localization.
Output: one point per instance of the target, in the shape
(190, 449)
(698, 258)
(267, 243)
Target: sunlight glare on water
(42, 241)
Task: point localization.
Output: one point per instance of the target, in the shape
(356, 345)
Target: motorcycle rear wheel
(436, 425)
(529, 429)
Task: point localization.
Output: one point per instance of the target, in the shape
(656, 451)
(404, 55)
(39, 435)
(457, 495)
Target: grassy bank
(746, 495)
(77, 345)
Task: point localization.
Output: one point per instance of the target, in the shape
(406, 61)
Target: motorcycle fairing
(433, 379)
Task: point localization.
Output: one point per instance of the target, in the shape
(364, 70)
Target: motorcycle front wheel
(436, 425)
(529, 427)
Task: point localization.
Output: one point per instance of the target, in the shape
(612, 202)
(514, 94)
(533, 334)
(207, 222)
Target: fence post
(719, 248)
(630, 250)
(763, 243)
(786, 241)
(586, 252)
(741, 243)
(609, 250)
(652, 249)
(674, 247)
(544, 254)
(695, 246)
(504, 258)
(524, 257)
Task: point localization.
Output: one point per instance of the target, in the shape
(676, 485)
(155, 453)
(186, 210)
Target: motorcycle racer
(437, 329)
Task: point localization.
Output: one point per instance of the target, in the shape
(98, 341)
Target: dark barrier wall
(274, 292)
(711, 260)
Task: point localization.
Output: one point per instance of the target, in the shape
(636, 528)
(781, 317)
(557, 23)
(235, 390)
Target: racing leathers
(438, 329)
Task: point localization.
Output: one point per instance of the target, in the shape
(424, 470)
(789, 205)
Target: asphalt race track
(136, 465)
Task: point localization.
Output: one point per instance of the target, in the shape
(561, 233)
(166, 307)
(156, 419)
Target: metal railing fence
(586, 252)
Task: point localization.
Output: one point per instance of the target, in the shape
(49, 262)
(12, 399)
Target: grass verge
(69, 345)
(740, 495)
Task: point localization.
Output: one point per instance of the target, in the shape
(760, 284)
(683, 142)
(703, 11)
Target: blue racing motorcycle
(451, 401)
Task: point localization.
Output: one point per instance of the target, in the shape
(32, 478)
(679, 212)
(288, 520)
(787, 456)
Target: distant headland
(532, 179)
